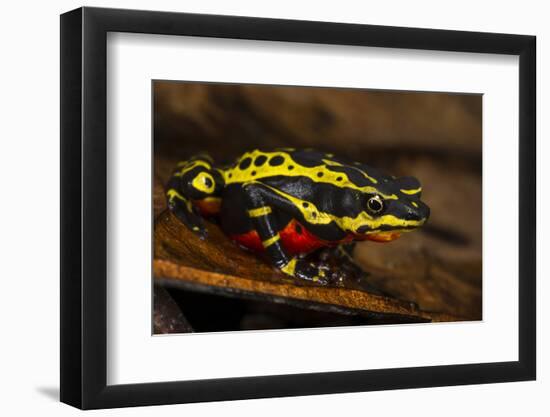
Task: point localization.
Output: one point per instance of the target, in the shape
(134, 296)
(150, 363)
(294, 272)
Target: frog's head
(392, 208)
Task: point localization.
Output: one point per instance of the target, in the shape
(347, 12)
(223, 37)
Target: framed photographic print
(258, 207)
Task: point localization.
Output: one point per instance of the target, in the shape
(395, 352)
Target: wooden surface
(217, 264)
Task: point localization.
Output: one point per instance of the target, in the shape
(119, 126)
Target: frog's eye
(375, 204)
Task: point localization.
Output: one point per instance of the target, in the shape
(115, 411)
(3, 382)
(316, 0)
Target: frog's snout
(419, 211)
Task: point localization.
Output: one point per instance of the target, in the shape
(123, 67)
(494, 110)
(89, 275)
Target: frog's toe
(318, 274)
(326, 274)
(196, 225)
(200, 231)
(338, 277)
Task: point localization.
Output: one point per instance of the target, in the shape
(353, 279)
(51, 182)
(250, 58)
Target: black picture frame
(84, 222)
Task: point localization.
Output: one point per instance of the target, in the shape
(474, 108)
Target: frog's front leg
(261, 201)
(184, 210)
(192, 183)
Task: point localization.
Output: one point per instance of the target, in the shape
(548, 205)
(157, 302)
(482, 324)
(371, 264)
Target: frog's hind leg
(261, 200)
(194, 190)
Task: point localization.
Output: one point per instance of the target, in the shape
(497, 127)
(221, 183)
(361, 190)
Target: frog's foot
(343, 270)
(189, 217)
(312, 272)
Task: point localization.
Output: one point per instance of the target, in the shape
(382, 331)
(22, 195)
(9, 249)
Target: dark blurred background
(436, 137)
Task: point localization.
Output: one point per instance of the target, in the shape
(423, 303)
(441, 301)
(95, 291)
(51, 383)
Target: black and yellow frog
(287, 203)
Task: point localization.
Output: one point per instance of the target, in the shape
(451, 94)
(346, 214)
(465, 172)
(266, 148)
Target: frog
(286, 203)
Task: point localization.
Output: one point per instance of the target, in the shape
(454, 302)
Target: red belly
(294, 238)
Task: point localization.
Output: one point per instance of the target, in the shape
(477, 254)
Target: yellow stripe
(290, 267)
(172, 194)
(188, 166)
(318, 174)
(334, 163)
(258, 212)
(411, 192)
(267, 243)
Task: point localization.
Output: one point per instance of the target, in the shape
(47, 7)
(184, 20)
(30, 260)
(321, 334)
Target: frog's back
(257, 164)
(297, 170)
(287, 162)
